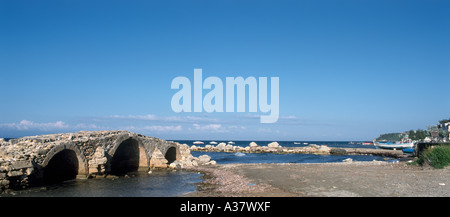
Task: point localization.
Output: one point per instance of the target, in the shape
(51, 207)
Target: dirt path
(376, 179)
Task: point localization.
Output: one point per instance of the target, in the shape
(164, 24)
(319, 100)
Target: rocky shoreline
(274, 147)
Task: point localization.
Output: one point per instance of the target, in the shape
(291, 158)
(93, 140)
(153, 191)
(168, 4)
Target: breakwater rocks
(274, 147)
(191, 161)
(53, 158)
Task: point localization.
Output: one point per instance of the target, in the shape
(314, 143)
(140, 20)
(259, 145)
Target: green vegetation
(436, 132)
(390, 137)
(418, 134)
(437, 156)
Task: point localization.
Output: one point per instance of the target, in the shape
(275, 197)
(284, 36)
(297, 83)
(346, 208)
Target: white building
(446, 128)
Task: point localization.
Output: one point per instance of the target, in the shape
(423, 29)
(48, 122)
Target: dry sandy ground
(367, 179)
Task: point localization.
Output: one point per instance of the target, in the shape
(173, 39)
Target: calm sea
(226, 158)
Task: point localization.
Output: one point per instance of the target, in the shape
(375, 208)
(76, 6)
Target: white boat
(198, 143)
(394, 145)
(213, 143)
(231, 143)
(297, 143)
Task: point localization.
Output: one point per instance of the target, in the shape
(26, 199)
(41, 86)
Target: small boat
(297, 143)
(230, 142)
(305, 143)
(213, 143)
(198, 143)
(394, 145)
(367, 143)
(409, 150)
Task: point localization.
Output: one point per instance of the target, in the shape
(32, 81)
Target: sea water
(156, 184)
(227, 157)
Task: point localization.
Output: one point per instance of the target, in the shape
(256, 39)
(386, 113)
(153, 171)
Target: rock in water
(273, 145)
(229, 147)
(253, 144)
(204, 159)
(221, 146)
(349, 160)
(239, 154)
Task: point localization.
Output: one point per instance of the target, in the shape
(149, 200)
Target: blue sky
(348, 70)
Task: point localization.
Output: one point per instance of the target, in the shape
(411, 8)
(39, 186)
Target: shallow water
(227, 158)
(157, 184)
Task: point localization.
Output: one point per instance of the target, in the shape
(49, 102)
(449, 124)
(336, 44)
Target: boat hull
(395, 146)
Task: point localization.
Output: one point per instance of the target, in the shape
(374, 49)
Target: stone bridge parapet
(57, 157)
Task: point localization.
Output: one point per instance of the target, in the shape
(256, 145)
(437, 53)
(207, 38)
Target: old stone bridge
(57, 157)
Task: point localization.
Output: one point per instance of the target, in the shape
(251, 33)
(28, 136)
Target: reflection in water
(157, 184)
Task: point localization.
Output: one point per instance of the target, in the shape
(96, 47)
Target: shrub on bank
(437, 156)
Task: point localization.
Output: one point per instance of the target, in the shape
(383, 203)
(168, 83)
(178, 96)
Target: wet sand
(354, 179)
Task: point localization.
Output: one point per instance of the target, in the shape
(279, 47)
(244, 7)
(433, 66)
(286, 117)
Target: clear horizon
(348, 70)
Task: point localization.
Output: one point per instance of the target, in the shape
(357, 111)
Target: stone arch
(171, 152)
(128, 154)
(64, 162)
(171, 155)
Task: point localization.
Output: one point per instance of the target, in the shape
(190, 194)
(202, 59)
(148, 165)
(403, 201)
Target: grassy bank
(437, 156)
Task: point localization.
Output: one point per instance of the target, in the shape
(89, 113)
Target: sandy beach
(354, 179)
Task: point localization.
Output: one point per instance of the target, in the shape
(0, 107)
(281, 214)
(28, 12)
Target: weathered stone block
(21, 164)
(15, 173)
(93, 169)
(101, 160)
(29, 171)
(158, 160)
(4, 182)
